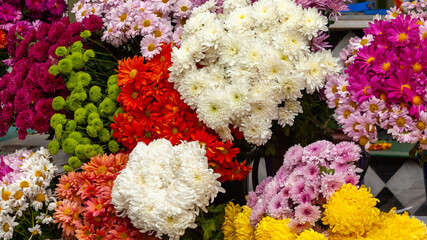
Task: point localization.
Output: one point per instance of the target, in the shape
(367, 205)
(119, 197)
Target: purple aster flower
(330, 184)
(306, 212)
(252, 199)
(39, 51)
(293, 156)
(260, 188)
(4, 169)
(346, 152)
(319, 42)
(42, 31)
(92, 23)
(317, 152)
(24, 120)
(22, 100)
(22, 134)
(56, 7)
(8, 14)
(36, 5)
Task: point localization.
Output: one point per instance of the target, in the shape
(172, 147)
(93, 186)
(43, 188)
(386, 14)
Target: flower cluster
(152, 109)
(163, 187)
(85, 205)
(248, 66)
(12, 11)
(90, 104)
(351, 214)
(307, 178)
(385, 82)
(26, 94)
(154, 20)
(26, 202)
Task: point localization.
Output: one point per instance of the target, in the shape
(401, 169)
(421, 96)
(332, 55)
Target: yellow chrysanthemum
(231, 211)
(351, 211)
(244, 230)
(337, 236)
(274, 229)
(310, 234)
(398, 227)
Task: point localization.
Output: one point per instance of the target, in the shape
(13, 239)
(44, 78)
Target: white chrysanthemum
(312, 22)
(213, 108)
(288, 113)
(229, 5)
(255, 130)
(163, 187)
(265, 47)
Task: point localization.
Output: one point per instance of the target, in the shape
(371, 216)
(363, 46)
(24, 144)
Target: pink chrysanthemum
(306, 212)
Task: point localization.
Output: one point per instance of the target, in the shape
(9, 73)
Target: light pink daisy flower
(150, 46)
(164, 6)
(344, 111)
(400, 121)
(176, 37)
(163, 31)
(331, 89)
(147, 23)
(182, 8)
(350, 124)
(306, 212)
(373, 105)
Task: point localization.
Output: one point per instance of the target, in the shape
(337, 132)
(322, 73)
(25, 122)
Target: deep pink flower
(39, 51)
(24, 120)
(399, 85)
(306, 212)
(404, 30)
(36, 5)
(22, 100)
(8, 14)
(92, 23)
(56, 7)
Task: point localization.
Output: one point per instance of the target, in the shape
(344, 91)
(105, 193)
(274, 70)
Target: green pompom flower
(58, 103)
(113, 146)
(89, 150)
(91, 131)
(54, 147)
(56, 119)
(84, 78)
(92, 116)
(76, 135)
(85, 34)
(104, 135)
(61, 51)
(98, 149)
(68, 168)
(113, 91)
(80, 151)
(65, 66)
(54, 70)
(58, 131)
(97, 124)
(95, 94)
(112, 80)
(74, 162)
(107, 106)
(91, 108)
(77, 47)
(85, 140)
(77, 60)
(80, 115)
(71, 125)
(69, 145)
(88, 55)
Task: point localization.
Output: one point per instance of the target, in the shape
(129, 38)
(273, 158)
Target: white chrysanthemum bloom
(36, 230)
(255, 130)
(312, 22)
(264, 48)
(5, 207)
(213, 108)
(44, 218)
(163, 187)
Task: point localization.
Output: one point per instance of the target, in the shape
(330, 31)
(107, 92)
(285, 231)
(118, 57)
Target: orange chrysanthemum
(68, 215)
(129, 70)
(3, 39)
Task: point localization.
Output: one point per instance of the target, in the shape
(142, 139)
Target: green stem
(103, 48)
(106, 61)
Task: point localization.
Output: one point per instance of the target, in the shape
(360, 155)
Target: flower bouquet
(247, 66)
(384, 86)
(173, 184)
(85, 203)
(27, 202)
(26, 94)
(82, 125)
(313, 196)
(152, 109)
